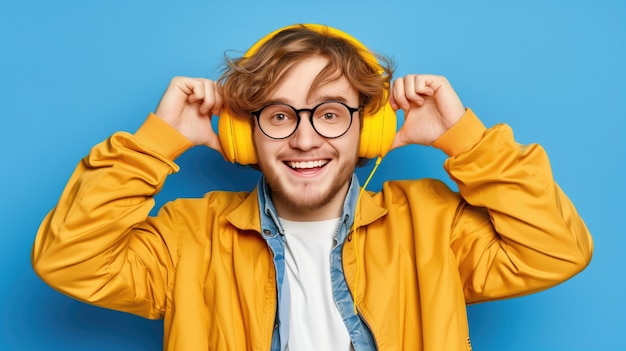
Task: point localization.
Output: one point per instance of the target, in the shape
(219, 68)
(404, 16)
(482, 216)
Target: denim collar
(268, 209)
(257, 211)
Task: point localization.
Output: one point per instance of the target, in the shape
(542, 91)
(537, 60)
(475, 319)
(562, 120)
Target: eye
(279, 117)
(329, 116)
(282, 118)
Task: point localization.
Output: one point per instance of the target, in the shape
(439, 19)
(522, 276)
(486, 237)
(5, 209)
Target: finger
(208, 100)
(406, 92)
(398, 94)
(194, 88)
(410, 89)
(392, 100)
(416, 89)
(424, 85)
(175, 97)
(218, 101)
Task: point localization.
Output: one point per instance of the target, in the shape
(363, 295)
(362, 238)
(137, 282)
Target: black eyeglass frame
(311, 112)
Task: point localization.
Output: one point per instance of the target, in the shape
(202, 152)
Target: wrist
(157, 135)
(462, 135)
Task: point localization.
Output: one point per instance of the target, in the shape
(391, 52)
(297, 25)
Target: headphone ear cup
(378, 132)
(235, 135)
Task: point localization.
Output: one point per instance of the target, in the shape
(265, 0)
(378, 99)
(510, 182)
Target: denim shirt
(272, 231)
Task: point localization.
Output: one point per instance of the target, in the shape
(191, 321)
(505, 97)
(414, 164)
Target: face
(308, 174)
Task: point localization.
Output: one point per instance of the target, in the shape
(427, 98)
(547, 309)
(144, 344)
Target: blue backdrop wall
(73, 72)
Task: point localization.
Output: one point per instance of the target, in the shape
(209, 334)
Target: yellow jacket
(424, 251)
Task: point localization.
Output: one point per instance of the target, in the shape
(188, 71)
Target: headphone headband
(321, 29)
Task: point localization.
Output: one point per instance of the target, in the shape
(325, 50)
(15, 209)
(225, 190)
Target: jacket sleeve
(97, 245)
(516, 232)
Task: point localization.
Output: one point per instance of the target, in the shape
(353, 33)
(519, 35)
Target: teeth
(307, 164)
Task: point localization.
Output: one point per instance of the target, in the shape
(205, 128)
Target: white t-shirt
(315, 322)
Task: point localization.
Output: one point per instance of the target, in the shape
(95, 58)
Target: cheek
(264, 147)
(259, 141)
(259, 147)
(355, 137)
(348, 149)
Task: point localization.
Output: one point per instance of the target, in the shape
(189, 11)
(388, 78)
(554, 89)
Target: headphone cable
(354, 230)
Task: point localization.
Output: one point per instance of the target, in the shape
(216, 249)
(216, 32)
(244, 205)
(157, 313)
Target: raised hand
(430, 106)
(188, 105)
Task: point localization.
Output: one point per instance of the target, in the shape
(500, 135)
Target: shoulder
(426, 189)
(214, 202)
(424, 198)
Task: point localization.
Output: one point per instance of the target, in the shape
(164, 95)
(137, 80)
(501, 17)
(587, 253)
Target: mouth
(303, 166)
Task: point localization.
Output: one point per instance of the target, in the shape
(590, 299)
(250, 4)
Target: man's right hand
(188, 105)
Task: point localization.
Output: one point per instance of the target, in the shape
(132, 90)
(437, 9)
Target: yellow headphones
(377, 131)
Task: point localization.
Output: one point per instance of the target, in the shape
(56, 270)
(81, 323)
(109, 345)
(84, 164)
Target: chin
(310, 197)
(305, 196)
(308, 200)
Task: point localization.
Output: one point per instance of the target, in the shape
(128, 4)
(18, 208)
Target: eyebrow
(319, 100)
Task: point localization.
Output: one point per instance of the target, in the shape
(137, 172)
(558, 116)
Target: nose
(305, 137)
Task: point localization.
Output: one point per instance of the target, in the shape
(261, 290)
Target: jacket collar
(368, 210)
(247, 216)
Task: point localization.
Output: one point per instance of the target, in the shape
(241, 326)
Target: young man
(307, 260)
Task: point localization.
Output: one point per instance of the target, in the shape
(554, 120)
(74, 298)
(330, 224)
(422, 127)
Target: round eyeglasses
(330, 119)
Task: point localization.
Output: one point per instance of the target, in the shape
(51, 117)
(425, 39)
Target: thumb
(214, 142)
(398, 140)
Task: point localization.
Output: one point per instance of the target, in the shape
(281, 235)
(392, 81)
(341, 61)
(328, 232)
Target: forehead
(301, 85)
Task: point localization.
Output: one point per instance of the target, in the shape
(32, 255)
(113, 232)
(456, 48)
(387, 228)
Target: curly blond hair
(247, 82)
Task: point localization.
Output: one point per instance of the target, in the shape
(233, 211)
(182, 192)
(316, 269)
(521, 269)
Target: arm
(516, 232)
(97, 244)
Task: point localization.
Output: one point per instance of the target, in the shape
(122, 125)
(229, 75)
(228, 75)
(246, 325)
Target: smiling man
(309, 172)
(308, 260)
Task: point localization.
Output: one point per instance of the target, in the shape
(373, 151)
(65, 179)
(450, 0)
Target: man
(308, 260)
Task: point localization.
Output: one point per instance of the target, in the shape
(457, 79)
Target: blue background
(72, 73)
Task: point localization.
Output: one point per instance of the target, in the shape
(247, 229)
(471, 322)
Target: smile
(307, 164)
